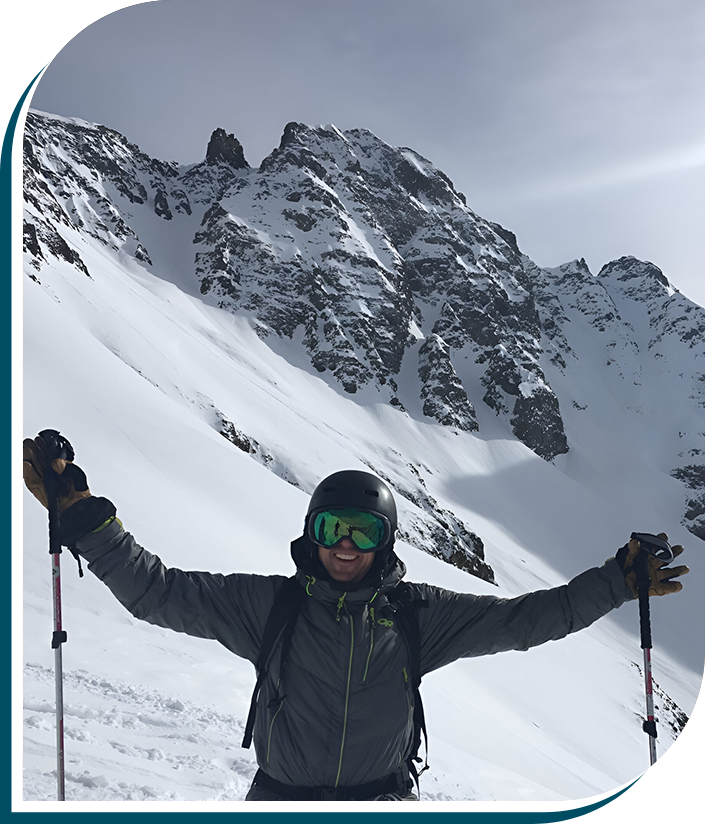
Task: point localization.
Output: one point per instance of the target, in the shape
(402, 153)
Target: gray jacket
(341, 713)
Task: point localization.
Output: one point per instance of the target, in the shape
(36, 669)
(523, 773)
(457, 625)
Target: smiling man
(336, 711)
(347, 537)
(345, 563)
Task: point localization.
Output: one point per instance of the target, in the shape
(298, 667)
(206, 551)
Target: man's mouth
(344, 557)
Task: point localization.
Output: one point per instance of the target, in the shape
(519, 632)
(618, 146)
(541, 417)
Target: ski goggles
(367, 531)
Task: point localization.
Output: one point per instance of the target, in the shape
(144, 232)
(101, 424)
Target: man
(335, 704)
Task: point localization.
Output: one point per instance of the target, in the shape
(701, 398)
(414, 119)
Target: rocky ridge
(367, 259)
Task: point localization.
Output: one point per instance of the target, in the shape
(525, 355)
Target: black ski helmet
(352, 488)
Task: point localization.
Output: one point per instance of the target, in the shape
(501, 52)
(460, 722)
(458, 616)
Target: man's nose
(348, 543)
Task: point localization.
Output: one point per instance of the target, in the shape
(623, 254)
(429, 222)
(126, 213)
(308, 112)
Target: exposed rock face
(365, 252)
(369, 250)
(693, 477)
(365, 259)
(61, 192)
(442, 392)
(226, 148)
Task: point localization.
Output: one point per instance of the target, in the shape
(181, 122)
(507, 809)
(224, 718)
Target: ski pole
(56, 447)
(651, 545)
(646, 645)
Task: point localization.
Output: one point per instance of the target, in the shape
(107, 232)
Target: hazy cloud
(574, 113)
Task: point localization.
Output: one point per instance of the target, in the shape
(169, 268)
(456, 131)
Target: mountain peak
(628, 268)
(296, 132)
(226, 148)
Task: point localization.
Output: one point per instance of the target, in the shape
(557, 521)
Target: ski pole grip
(56, 446)
(643, 584)
(51, 485)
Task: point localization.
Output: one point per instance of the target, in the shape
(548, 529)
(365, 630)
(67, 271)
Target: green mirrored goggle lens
(365, 530)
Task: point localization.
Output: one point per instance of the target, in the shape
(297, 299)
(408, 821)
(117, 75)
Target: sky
(578, 126)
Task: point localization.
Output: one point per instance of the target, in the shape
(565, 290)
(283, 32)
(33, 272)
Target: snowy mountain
(224, 336)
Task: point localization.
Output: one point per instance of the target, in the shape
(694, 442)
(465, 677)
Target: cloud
(623, 173)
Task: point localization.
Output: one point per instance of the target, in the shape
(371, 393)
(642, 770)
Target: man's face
(345, 563)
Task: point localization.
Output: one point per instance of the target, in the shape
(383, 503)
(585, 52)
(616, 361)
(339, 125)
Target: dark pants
(261, 794)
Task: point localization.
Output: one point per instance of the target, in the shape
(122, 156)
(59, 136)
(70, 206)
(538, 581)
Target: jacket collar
(312, 575)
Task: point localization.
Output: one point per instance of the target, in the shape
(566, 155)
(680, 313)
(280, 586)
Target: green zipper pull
(340, 606)
(310, 583)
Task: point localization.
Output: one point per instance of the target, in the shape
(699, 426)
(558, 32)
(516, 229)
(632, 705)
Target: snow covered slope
(210, 367)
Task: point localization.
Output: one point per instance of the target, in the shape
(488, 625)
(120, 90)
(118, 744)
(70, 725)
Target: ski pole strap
(75, 554)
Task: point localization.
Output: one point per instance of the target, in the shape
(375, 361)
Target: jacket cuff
(84, 517)
(612, 566)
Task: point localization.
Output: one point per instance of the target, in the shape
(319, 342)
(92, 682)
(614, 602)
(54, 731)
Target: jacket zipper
(372, 642)
(271, 725)
(372, 636)
(347, 692)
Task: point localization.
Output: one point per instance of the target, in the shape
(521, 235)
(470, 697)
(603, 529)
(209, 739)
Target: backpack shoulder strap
(406, 605)
(279, 625)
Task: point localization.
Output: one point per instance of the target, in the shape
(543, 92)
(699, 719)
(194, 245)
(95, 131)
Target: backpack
(279, 628)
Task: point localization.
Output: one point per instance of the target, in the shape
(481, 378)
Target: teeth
(345, 557)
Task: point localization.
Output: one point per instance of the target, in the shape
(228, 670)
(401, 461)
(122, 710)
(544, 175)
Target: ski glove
(81, 513)
(660, 576)
(72, 485)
